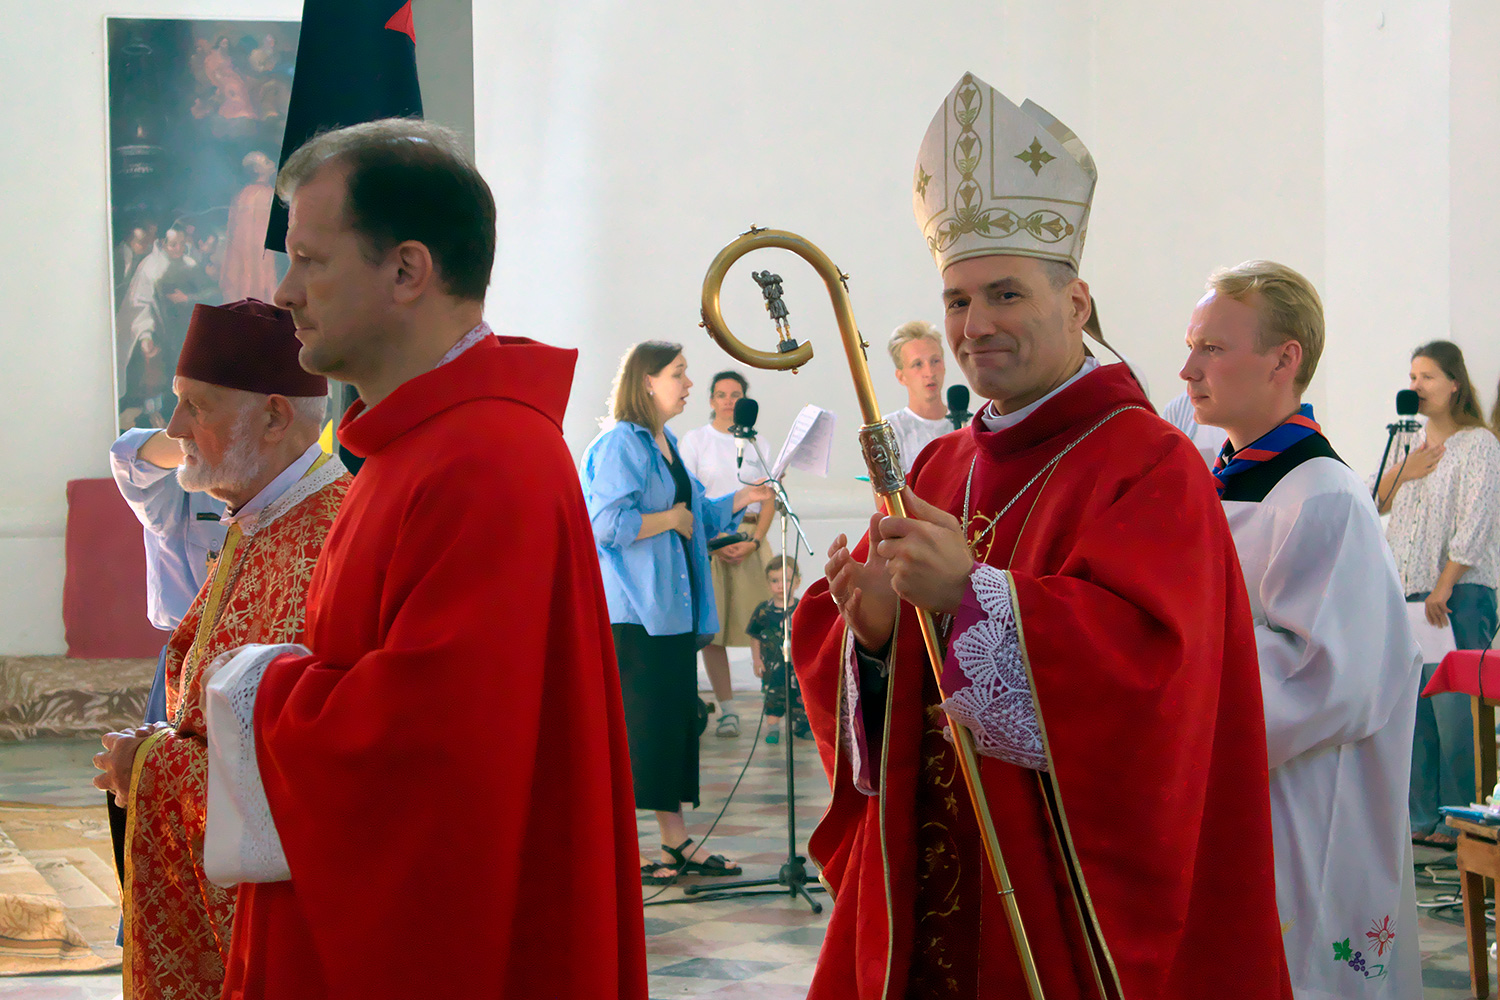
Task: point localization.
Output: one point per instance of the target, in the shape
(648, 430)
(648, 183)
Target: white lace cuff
(240, 843)
(852, 721)
(985, 677)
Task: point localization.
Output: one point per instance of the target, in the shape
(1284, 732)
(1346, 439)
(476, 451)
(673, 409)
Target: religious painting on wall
(196, 113)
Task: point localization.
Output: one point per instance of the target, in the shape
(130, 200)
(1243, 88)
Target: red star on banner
(401, 21)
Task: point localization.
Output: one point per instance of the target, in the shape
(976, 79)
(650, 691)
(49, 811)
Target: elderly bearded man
(1099, 645)
(1339, 668)
(247, 420)
(451, 738)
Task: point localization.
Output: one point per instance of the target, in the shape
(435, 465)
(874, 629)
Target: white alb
(1339, 672)
(240, 842)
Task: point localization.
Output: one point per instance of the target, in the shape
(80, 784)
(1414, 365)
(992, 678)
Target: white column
(1474, 127)
(1386, 178)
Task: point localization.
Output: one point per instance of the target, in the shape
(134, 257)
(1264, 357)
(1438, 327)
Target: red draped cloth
(1467, 671)
(177, 923)
(448, 771)
(1142, 860)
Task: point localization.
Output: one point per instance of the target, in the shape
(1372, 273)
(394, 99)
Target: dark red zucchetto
(249, 345)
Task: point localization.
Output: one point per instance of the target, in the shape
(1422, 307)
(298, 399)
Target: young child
(768, 627)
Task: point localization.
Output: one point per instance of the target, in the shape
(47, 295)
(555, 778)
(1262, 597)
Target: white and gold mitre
(993, 178)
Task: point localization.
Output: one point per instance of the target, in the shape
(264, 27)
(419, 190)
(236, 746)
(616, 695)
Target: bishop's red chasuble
(1139, 844)
(448, 770)
(177, 922)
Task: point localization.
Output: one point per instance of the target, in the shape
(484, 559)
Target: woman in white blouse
(1444, 502)
(739, 569)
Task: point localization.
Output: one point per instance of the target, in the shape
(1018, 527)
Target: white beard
(240, 466)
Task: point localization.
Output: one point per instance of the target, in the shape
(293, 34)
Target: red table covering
(1459, 673)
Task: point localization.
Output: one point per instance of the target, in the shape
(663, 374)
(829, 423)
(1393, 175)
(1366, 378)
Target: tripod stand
(792, 879)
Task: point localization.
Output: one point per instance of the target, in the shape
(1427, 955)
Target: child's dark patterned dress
(768, 626)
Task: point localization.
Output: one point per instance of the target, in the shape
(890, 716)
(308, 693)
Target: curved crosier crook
(882, 457)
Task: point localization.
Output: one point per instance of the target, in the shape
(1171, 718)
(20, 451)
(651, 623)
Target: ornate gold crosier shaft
(878, 442)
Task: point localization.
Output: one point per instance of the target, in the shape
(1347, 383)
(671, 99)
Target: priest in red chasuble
(1097, 638)
(247, 420)
(431, 795)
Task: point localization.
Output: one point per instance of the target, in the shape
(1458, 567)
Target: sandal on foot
(713, 866)
(657, 873)
(773, 737)
(728, 726)
(1441, 841)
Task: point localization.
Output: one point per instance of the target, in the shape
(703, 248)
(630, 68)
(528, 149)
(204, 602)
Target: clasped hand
(734, 553)
(117, 760)
(921, 558)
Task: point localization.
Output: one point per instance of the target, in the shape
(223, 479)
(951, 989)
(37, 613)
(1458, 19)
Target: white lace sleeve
(985, 678)
(852, 722)
(240, 843)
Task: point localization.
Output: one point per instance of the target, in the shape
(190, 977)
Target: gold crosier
(878, 443)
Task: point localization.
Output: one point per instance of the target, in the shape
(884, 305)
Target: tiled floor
(1445, 961)
(751, 946)
(50, 772)
(760, 947)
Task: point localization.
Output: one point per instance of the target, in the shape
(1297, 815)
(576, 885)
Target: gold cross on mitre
(1035, 156)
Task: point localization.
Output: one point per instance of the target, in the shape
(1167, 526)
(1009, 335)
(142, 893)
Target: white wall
(1209, 143)
(627, 143)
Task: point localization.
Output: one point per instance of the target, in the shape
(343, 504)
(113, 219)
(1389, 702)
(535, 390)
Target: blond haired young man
(1338, 665)
(916, 349)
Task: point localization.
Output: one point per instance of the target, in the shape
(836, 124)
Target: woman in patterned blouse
(1444, 502)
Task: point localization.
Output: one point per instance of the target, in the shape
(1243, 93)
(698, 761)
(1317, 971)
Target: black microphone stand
(792, 879)
(1407, 426)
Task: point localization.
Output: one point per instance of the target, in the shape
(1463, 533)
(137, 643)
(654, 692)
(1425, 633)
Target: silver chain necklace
(969, 486)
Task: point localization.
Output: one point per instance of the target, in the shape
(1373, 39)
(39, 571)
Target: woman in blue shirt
(652, 523)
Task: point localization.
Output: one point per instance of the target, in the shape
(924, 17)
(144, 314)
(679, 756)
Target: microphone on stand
(746, 411)
(1407, 402)
(958, 406)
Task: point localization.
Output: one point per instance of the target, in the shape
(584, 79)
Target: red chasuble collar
(1106, 388)
(516, 368)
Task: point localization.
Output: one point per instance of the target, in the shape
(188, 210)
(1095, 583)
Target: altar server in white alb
(1338, 663)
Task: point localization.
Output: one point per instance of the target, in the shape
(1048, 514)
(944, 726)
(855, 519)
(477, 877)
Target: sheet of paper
(808, 445)
(1436, 641)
